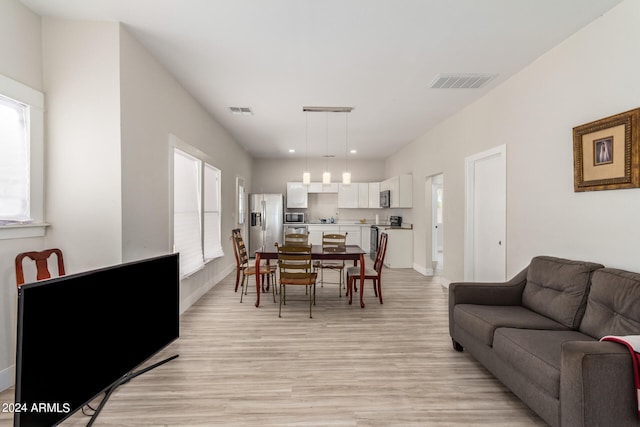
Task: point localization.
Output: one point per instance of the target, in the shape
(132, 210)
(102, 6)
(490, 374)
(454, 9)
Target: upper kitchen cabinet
(348, 195)
(362, 195)
(296, 195)
(374, 195)
(318, 187)
(401, 188)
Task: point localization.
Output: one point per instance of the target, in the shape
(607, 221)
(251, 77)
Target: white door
(486, 212)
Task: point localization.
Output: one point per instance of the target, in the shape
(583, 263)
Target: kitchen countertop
(366, 224)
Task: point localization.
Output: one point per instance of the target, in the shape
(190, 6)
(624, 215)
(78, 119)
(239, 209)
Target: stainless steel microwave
(385, 199)
(294, 217)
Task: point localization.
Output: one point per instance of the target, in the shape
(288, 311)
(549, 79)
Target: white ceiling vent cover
(241, 111)
(461, 81)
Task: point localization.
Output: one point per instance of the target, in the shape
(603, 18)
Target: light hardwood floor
(384, 365)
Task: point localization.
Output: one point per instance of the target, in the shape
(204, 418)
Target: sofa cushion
(482, 320)
(613, 306)
(557, 288)
(535, 354)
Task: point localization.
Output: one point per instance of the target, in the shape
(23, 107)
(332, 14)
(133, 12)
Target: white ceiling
(377, 56)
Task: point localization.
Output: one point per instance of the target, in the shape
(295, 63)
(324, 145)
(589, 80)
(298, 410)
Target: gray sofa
(539, 335)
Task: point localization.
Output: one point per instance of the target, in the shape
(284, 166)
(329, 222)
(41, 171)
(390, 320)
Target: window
(240, 199)
(22, 160)
(14, 163)
(212, 238)
(196, 209)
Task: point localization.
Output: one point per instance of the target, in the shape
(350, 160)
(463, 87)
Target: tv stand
(125, 379)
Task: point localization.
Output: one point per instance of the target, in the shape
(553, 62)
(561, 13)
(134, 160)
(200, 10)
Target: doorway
(486, 212)
(437, 226)
(434, 191)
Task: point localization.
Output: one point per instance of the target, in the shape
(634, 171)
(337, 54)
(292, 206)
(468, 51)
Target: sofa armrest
(596, 385)
(489, 293)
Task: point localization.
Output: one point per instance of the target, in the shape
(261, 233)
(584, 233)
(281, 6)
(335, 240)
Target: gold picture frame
(606, 153)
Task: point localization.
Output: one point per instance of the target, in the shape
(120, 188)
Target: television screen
(79, 334)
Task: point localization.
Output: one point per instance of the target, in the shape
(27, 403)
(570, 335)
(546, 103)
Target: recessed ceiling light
(291, 150)
(241, 111)
(353, 151)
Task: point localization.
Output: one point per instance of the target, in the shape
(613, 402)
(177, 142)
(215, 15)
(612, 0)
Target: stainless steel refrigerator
(265, 221)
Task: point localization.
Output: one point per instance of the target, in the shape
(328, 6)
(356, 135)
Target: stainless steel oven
(374, 241)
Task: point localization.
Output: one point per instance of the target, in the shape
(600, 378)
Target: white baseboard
(423, 270)
(7, 377)
(206, 287)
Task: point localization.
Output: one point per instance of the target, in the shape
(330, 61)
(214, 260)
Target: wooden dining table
(346, 253)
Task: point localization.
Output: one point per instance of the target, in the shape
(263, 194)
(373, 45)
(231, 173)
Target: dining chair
(374, 274)
(41, 259)
(332, 242)
(295, 269)
(244, 268)
(296, 239)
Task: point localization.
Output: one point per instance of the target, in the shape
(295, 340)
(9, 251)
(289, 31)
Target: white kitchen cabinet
(363, 194)
(348, 195)
(318, 187)
(365, 238)
(353, 234)
(352, 230)
(316, 230)
(401, 188)
(296, 195)
(374, 195)
(399, 248)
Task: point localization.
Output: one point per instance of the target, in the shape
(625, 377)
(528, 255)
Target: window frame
(34, 100)
(176, 143)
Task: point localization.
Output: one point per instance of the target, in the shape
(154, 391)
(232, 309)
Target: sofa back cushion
(613, 305)
(558, 288)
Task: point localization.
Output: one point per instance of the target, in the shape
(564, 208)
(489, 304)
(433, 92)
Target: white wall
(20, 60)
(155, 105)
(590, 76)
(271, 175)
(109, 110)
(83, 190)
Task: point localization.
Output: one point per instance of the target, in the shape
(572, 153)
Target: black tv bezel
(130, 372)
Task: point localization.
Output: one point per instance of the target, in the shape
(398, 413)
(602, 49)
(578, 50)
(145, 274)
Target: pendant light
(326, 176)
(306, 175)
(346, 175)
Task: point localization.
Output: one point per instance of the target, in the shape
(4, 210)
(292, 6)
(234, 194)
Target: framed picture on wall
(606, 153)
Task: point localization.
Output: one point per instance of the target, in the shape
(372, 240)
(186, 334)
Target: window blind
(187, 237)
(14, 161)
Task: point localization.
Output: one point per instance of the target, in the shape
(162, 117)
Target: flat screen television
(84, 334)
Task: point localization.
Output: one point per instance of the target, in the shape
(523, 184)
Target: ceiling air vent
(241, 111)
(461, 81)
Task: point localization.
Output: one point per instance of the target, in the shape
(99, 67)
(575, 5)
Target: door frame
(469, 231)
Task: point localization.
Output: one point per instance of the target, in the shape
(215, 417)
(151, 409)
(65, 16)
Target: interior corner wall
(591, 75)
(153, 106)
